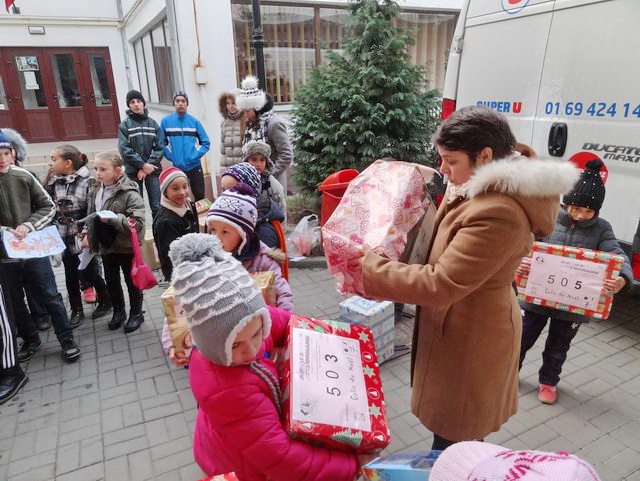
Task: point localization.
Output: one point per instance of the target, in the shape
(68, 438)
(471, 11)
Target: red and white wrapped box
(377, 211)
(332, 392)
(569, 279)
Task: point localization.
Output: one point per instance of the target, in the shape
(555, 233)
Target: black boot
(117, 319)
(11, 380)
(102, 310)
(76, 317)
(134, 322)
(28, 349)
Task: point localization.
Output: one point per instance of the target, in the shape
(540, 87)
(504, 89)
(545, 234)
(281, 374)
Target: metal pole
(258, 43)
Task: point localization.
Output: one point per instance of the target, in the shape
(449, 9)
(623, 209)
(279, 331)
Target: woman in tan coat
(467, 334)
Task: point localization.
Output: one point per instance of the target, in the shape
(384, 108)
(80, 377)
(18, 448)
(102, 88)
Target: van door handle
(558, 139)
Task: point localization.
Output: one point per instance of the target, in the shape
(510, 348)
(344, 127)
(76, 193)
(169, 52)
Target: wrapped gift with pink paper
(332, 392)
(569, 279)
(377, 211)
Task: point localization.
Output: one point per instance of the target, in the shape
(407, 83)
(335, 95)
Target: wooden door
(102, 105)
(6, 96)
(69, 114)
(29, 77)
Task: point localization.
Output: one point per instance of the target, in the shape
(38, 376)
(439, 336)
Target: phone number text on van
(593, 109)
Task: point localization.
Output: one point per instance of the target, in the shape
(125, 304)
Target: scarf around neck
(258, 132)
(180, 210)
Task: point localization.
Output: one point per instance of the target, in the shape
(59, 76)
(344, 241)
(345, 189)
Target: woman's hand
(614, 285)
(85, 242)
(524, 268)
(141, 174)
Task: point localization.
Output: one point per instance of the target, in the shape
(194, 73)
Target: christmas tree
(368, 103)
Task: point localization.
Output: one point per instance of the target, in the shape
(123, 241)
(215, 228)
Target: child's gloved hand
(614, 285)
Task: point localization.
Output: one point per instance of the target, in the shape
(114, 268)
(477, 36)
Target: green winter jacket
(140, 142)
(23, 200)
(126, 202)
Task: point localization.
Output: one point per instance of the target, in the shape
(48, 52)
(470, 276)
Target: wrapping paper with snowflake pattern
(569, 279)
(377, 211)
(332, 392)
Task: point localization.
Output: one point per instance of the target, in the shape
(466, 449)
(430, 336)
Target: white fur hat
(250, 97)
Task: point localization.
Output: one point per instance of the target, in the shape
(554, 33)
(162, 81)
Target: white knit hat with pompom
(250, 97)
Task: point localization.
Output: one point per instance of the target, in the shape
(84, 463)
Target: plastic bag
(304, 237)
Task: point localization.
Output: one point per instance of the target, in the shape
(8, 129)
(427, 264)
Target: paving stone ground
(123, 412)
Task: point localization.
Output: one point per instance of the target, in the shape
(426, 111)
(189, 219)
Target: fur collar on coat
(521, 176)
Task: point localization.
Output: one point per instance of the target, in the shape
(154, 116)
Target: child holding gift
(578, 225)
(238, 426)
(232, 218)
(111, 237)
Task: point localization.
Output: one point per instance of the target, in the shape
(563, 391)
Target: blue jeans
(152, 183)
(36, 277)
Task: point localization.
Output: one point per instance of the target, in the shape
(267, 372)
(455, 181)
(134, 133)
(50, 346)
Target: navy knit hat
(589, 191)
(180, 93)
(247, 173)
(5, 143)
(134, 94)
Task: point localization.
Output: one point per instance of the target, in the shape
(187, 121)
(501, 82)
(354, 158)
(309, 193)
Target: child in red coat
(237, 388)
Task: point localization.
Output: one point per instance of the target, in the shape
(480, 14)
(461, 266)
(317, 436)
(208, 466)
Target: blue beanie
(5, 143)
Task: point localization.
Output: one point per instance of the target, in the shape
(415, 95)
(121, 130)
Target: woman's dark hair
(473, 128)
(69, 152)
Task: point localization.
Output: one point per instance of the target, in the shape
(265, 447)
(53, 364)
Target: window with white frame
(152, 52)
(298, 34)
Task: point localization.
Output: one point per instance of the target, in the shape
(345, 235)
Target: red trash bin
(333, 188)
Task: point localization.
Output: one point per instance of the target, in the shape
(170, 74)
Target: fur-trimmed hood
(521, 176)
(535, 184)
(19, 144)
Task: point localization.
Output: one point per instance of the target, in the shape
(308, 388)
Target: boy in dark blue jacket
(141, 148)
(578, 225)
(185, 143)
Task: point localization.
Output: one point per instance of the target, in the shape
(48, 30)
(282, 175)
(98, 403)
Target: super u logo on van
(514, 6)
(505, 107)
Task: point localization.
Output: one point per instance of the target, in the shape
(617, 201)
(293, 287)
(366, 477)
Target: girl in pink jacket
(238, 428)
(232, 218)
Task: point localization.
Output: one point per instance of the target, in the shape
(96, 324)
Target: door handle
(558, 135)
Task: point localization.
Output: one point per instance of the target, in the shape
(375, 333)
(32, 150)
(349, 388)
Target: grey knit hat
(217, 294)
(256, 147)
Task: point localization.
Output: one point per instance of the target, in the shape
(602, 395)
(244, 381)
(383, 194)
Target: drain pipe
(125, 49)
(176, 59)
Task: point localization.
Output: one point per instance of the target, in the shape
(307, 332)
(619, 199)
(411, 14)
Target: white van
(567, 75)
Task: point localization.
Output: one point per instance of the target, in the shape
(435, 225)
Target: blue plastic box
(413, 466)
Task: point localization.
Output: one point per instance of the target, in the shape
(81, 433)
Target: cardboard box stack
(377, 316)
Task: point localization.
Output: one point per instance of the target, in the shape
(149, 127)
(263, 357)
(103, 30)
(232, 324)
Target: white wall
(61, 31)
(54, 8)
